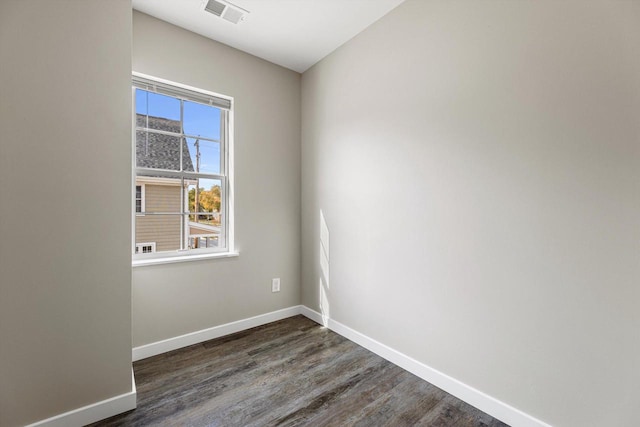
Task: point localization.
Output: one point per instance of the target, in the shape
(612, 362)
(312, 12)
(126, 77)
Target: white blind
(178, 92)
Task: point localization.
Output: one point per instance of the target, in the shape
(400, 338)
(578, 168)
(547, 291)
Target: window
(139, 199)
(145, 248)
(181, 169)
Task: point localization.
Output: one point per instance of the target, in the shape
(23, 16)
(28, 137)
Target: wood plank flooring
(288, 373)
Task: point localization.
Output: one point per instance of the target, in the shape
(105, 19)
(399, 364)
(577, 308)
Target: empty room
(320, 212)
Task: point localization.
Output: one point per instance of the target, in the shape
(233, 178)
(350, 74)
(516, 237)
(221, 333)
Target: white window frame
(140, 246)
(142, 198)
(186, 92)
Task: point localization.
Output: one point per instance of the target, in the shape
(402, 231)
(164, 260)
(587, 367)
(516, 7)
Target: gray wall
(174, 299)
(65, 200)
(478, 167)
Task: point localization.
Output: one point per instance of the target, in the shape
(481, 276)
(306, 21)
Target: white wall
(478, 167)
(171, 300)
(65, 201)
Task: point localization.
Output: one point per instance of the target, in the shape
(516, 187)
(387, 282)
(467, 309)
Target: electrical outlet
(275, 285)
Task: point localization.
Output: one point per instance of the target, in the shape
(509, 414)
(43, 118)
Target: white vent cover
(225, 10)
(215, 7)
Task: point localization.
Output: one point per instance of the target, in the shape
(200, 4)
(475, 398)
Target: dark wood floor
(287, 373)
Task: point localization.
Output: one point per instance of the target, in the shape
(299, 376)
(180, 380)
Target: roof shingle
(159, 151)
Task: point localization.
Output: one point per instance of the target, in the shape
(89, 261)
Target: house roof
(159, 151)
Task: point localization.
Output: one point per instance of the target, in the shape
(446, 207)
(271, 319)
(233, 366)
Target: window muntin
(182, 171)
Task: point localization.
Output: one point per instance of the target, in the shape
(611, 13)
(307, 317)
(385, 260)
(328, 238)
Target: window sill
(184, 258)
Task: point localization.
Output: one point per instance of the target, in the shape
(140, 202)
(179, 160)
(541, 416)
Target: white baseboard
(462, 391)
(494, 407)
(175, 343)
(94, 412)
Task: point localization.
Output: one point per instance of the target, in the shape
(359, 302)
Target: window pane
(205, 228)
(155, 111)
(163, 230)
(207, 198)
(204, 156)
(162, 195)
(159, 151)
(201, 120)
(204, 232)
(141, 105)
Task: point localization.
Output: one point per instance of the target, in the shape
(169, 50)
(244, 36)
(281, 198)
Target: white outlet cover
(275, 285)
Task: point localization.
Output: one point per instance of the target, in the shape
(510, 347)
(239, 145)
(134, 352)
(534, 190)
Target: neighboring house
(156, 197)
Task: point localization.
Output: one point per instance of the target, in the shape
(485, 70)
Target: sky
(199, 120)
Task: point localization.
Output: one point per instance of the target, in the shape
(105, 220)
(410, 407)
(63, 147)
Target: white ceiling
(293, 33)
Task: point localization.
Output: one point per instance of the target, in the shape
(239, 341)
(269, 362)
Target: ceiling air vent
(215, 7)
(225, 10)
